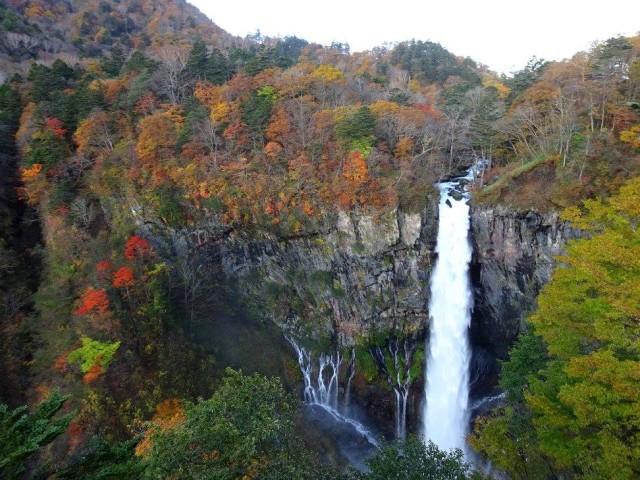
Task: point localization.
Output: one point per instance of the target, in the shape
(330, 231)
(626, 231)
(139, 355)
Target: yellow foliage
(175, 113)
(220, 112)
(99, 37)
(414, 85)
(631, 136)
(490, 81)
(35, 185)
(328, 73)
(340, 113)
(381, 108)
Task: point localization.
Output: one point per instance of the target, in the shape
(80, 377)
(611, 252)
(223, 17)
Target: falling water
(321, 386)
(446, 414)
(398, 373)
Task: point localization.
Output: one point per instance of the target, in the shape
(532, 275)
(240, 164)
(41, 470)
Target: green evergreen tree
(22, 432)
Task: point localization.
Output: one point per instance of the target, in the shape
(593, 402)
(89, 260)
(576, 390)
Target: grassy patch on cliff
(538, 185)
(504, 177)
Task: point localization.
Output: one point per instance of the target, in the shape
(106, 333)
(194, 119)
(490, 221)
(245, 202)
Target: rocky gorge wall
(513, 257)
(368, 273)
(369, 276)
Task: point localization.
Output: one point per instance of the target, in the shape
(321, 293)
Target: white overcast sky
(503, 34)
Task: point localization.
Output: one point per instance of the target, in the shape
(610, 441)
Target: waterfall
(352, 373)
(398, 373)
(321, 385)
(446, 415)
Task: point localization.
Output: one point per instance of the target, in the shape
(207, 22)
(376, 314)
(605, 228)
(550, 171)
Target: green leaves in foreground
(22, 432)
(413, 460)
(244, 429)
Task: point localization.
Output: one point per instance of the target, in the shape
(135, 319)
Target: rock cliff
(368, 273)
(513, 258)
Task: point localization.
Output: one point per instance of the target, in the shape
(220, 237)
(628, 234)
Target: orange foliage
(136, 247)
(355, 169)
(208, 94)
(279, 127)
(403, 148)
(147, 104)
(123, 277)
(43, 392)
(93, 374)
(622, 117)
(31, 172)
(93, 301)
(307, 208)
(114, 87)
(240, 85)
(193, 151)
(169, 414)
(61, 365)
(157, 138)
(272, 149)
(34, 11)
(236, 133)
(268, 76)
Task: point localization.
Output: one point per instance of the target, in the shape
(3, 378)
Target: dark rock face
(371, 274)
(366, 273)
(513, 258)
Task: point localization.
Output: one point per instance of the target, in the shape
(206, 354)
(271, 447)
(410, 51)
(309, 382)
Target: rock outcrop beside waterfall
(513, 258)
(367, 273)
(372, 272)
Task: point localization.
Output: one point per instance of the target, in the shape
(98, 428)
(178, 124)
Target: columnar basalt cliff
(369, 276)
(368, 273)
(513, 258)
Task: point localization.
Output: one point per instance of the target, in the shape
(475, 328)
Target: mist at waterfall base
(446, 413)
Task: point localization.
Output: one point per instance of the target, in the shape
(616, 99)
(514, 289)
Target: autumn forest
(153, 167)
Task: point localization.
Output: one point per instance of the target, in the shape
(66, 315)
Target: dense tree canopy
(582, 396)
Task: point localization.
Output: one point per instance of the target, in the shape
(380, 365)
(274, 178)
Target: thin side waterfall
(446, 414)
(321, 385)
(398, 373)
(352, 373)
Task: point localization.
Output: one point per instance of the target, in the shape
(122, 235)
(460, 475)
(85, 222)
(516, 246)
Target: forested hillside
(122, 118)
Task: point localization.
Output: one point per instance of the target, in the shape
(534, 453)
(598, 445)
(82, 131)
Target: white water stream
(321, 386)
(446, 414)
